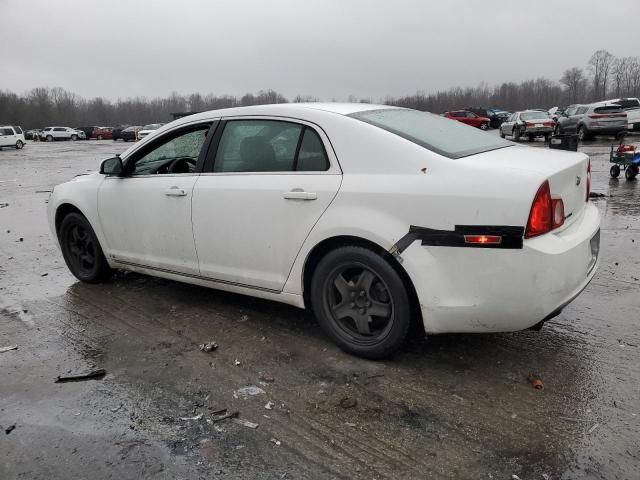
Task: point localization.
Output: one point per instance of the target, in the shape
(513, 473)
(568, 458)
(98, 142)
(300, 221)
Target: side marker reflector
(483, 239)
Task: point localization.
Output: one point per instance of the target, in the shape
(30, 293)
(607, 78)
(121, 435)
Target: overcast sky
(325, 48)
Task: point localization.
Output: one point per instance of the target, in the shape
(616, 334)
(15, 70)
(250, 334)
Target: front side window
(571, 111)
(450, 139)
(177, 154)
(269, 146)
(581, 110)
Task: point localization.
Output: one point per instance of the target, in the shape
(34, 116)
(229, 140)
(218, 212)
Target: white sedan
(373, 216)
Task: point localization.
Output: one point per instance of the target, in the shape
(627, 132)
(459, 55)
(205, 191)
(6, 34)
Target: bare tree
(575, 82)
(600, 64)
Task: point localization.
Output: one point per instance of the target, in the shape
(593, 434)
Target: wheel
(546, 137)
(99, 137)
(74, 137)
(614, 171)
(532, 138)
(516, 134)
(484, 126)
(556, 130)
(361, 302)
(19, 144)
(81, 250)
(631, 172)
(502, 135)
(49, 138)
(583, 134)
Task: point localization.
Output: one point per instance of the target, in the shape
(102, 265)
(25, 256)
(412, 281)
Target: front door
(268, 184)
(146, 214)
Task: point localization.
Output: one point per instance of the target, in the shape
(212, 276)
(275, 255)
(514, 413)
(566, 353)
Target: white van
(11, 137)
(629, 105)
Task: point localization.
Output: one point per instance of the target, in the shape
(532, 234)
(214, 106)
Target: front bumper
(500, 290)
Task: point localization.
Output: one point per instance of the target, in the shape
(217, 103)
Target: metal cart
(627, 158)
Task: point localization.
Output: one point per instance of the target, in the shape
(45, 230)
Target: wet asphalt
(449, 406)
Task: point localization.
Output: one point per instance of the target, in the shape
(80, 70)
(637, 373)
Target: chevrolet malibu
(372, 216)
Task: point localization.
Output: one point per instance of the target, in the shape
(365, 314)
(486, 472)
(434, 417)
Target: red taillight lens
(557, 209)
(540, 217)
(588, 180)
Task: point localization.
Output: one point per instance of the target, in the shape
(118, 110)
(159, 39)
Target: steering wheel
(181, 165)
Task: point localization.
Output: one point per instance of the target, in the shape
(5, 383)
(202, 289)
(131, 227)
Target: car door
(6, 137)
(145, 214)
(570, 122)
(507, 125)
(266, 184)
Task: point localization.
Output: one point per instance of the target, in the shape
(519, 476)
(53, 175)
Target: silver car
(527, 123)
(591, 120)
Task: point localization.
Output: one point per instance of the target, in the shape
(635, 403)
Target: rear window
(609, 109)
(440, 135)
(534, 116)
(628, 102)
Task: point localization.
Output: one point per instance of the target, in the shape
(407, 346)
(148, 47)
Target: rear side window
(437, 134)
(59, 129)
(18, 130)
(609, 109)
(6, 131)
(269, 146)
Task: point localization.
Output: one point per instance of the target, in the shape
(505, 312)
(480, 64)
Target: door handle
(299, 194)
(175, 192)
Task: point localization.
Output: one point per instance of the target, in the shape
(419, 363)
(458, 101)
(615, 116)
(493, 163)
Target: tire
(74, 137)
(532, 138)
(19, 144)
(557, 130)
(516, 134)
(99, 137)
(502, 135)
(583, 134)
(631, 172)
(81, 250)
(484, 126)
(348, 284)
(614, 171)
(546, 137)
(49, 138)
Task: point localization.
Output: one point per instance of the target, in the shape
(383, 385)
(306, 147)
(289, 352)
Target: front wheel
(614, 171)
(502, 135)
(49, 138)
(81, 250)
(516, 134)
(19, 144)
(583, 134)
(484, 126)
(361, 302)
(74, 138)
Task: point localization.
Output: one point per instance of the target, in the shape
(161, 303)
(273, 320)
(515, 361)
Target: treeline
(604, 76)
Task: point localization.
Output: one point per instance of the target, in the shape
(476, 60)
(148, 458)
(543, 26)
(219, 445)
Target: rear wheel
(49, 138)
(502, 135)
(631, 172)
(19, 144)
(546, 137)
(516, 134)
(614, 171)
(81, 250)
(484, 126)
(74, 137)
(556, 130)
(532, 138)
(583, 134)
(99, 137)
(361, 302)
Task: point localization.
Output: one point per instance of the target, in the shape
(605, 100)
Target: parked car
(102, 133)
(589, 121)
(11, 136)
(632, 108)
(468, 118)
(528, 123)
(116, 131)
(373, 216)
(88, 131)
(149, 129)
(555, 113)
(32, 134)
(130, 134)
(495, 119)
(62, 133)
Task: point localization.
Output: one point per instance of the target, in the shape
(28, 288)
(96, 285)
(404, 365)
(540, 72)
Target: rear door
(266, 184)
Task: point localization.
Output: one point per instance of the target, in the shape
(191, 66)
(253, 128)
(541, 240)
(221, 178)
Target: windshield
(534, 116)
(152, 126)
(440, 135)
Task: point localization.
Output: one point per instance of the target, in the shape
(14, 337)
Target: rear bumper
(607, 129)
(500, 290)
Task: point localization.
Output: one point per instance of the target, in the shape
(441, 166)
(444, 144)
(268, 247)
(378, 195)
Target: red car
(469, 118)
(102, 133)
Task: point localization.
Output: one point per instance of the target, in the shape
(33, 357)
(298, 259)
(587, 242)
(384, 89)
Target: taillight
(588, 180)
(546, 213)
(483, 239)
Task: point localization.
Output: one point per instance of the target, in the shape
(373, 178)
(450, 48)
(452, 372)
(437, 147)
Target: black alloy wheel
(361, 301)
(81, 250)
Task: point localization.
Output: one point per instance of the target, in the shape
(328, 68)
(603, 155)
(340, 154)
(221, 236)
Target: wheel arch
(329, 244)
(63, 210)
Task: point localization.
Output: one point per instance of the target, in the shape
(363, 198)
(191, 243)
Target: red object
(483, 239)
(467, 118)
(540, 217)
(622, 149)
(102, 133)
(588, 180)
(604, 115)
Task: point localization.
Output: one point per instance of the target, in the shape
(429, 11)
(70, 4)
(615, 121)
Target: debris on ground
(244, 318)
(209, 346)
(515, 477)
(115, 409)
(245, 423)
(596, 195)
(535, 381)
(8, 349)
(349, 424)
(197, 417)
(44, 274)
(269, 405)
(3, 205)
(275, 441)
(79, 377)
(592, 429)
(266, 378)
(348, 402)
(236, 362)
(9, 429)
(248, 391)
(225, 416)
(545, 476)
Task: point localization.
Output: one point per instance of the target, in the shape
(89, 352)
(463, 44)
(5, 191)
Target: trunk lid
(566, 172)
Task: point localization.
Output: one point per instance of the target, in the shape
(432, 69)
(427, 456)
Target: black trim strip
(512, 237)
(191, 275)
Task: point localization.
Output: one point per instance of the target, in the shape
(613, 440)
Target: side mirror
(112, 166)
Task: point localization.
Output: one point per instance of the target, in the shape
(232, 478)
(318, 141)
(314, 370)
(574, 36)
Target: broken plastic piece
(209, 346)
(536, 381)
(245, 423)
(8, 349)
(91, 375)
